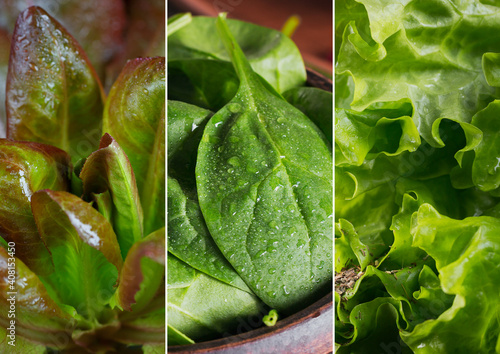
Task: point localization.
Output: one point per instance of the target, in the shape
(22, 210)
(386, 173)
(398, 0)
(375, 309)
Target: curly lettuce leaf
(467, 254)
(446, 82)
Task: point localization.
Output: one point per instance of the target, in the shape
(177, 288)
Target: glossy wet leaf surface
(263, 176)
(98, 26)
(26, 168)
(135, 117)
(53, 94)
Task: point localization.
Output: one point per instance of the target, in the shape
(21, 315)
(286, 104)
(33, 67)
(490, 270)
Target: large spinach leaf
(264, 178)
(272, 54)
(224, 309)
(189, 238)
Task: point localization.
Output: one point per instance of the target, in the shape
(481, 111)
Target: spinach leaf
(272, 54)
(188, 235)
(206, 83)
(316, 104)
(26, 168)
(224, 308)
(135, 116)
(53, 94)
(108, 169)
(264, 178)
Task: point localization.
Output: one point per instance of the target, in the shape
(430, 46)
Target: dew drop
(234, 161)
(234, 107)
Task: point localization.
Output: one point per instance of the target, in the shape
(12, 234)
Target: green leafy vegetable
(198, 40)
(139, 129)
(78, 238)
(257, 199)
(249, 180)
(76, 272)
(108, 169)
(417, 176)
(26, 168)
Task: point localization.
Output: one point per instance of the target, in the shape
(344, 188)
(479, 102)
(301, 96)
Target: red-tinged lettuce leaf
(84, 249)
(91, 337)
(24, 169)
(153, 349)
(143, 272)
(135, 116)
(108, 169)
(36, 315)
(53, 94)
(4, 62)
(146, 329)
(97, 25)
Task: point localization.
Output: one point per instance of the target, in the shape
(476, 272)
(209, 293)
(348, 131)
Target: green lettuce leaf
(437, 83)
(467, 257)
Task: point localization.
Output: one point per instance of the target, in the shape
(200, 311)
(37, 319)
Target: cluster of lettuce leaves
(417, 172)
(82, 184)
(250, 179)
